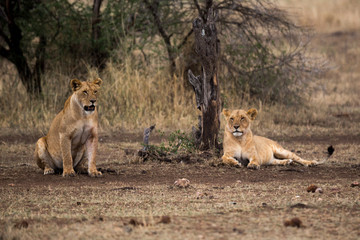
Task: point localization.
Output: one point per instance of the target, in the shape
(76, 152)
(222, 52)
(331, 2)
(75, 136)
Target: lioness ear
(226, 112)
(75, 84)
(98, 81)
(252, 113)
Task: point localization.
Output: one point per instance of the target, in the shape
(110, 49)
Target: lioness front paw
(253, 166)
(95, 173)
(48, 171)
(230, 161)
(70, 173)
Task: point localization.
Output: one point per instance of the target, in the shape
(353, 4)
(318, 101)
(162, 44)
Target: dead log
(147, 132)
(144, 153)
(206, 85)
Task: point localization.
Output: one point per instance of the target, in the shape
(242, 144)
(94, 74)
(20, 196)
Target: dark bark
(98, 54)
(146, 136)
(203, 12)
(206, 85)
(144, 153)
(14, 53)
(39, 67)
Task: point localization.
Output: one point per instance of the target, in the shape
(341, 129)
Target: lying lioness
(240, 143)
(73, 136)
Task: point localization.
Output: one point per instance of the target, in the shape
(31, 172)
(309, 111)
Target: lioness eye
(85, 92)
(95, 92)
(231, 119)
(242, 118)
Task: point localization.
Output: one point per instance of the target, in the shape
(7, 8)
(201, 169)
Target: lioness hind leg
(42, 157)
(285, 154)
(283, 162)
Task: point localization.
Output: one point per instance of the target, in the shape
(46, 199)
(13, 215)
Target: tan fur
(73, 136)
(240, 143)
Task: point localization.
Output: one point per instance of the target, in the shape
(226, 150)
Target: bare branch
(185, 39)
(153, 8)
(197, 85)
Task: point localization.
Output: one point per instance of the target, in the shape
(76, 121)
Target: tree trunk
(14, 54)
(99, 55)
(39, 67)
(206, 85)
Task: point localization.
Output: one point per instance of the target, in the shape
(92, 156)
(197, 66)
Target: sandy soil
(138, 200)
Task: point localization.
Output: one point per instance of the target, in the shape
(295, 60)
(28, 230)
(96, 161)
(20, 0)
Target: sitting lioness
(239, 143)
(72, 140)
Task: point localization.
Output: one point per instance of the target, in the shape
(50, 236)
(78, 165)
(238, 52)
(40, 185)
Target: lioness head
(238, 121)
(86, 93)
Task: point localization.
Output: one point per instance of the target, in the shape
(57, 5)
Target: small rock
(238, 183)
(21, 224)
(319, 190)
(200, 195)
(238, 231)
(182, 183)
(135, 222)
(78, 203)
(311, 188)
(355, 184)
(127, 229)
(165, 220)
(299, 205)
(294, 222)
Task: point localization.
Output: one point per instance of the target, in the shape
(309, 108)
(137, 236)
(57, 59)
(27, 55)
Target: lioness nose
(236, 127)
(92, 101)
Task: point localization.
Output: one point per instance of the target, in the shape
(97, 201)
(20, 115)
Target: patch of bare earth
(139, 200)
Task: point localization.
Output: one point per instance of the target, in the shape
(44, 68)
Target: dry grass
(325, 15)
(131, 98)
(134, 97)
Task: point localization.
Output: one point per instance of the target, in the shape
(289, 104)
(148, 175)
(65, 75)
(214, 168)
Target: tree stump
(206, 86)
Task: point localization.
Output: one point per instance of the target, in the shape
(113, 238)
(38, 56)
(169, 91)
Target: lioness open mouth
(89, 108)
(237, 133)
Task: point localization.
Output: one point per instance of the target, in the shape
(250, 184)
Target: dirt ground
(138, 200)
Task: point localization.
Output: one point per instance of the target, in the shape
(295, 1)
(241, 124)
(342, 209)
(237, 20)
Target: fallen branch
(144, 151)
(147, 132)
